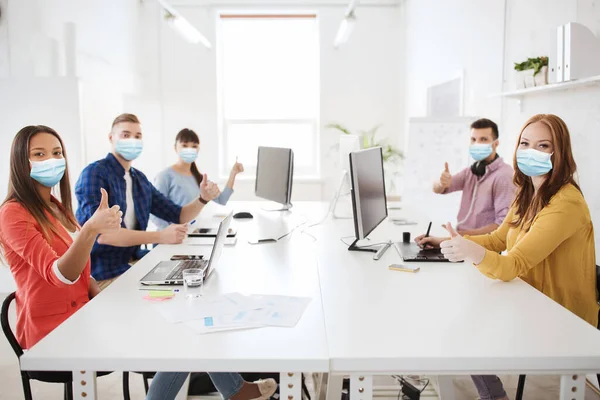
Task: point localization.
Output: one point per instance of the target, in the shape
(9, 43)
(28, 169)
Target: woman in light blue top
(181, 181)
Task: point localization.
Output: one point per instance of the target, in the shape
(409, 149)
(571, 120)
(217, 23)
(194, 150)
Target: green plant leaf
(339, 127)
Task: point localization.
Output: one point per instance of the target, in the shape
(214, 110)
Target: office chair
(63, 377)
(521, 385)
(146, 376)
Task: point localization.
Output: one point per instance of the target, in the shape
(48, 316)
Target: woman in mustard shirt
(547, 234)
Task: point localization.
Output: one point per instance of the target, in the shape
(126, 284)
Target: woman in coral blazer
(47, 251)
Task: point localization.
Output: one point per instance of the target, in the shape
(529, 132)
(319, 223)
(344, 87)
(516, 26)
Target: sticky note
(208, 321)
(160, 293)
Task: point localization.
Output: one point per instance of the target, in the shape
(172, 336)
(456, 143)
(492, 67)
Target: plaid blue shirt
(110, 261)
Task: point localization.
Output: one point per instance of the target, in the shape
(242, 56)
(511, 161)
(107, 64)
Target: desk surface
(445, 319)
(120, 330)
(448, 318)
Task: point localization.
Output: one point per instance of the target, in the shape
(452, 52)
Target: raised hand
(459, 249)
(106, 219)
(446, 177)
(208, 190)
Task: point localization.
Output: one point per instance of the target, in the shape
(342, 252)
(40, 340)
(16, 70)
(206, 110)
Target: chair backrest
(10, 336)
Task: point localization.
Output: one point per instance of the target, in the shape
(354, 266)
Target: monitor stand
(378, 252)
(354, 247)
(277, 207)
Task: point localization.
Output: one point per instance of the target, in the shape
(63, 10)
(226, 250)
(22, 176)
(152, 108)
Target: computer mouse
(242, 215)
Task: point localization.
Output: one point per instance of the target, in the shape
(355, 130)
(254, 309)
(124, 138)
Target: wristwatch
(201, 200)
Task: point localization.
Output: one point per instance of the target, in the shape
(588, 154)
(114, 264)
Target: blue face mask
(188, 155)
(480, 151)
(48, 172)
(130, 149)
(533, 162)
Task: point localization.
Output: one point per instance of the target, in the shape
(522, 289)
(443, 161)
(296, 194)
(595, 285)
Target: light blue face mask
(480, 151)
(48, 172)
(130, 149)
(188, 155)
(533, 162)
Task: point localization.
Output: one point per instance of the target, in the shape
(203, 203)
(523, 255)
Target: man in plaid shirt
(137, 197)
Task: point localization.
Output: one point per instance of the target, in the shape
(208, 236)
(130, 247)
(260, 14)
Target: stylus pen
(428, 230)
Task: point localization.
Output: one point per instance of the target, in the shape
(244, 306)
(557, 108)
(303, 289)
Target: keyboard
(177, 272)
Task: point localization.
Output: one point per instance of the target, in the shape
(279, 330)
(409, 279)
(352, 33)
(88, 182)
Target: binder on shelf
(581, 52)
(556, 61)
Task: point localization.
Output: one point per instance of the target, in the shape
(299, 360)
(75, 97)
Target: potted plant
(391, 155)
(532, 72)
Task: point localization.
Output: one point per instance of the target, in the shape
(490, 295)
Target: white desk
(447, 319)
(119, 330)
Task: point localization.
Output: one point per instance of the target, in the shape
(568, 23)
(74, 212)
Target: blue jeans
(166, 385)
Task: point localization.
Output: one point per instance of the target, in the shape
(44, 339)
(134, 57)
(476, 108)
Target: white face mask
(533, 162)
(188, 155)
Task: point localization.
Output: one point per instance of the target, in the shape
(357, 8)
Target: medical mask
(480, 151)
(48, 172)
(130, 149)
(188, 155)
(533, 162)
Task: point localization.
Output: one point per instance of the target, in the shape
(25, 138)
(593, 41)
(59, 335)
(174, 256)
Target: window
(269, 89)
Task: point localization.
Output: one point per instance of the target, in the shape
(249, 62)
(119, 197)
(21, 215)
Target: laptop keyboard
(177, 272)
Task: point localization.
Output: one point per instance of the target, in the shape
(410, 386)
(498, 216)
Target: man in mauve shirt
(487, 187)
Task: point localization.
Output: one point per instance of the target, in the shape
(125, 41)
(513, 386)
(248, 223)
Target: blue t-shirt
(181, 190)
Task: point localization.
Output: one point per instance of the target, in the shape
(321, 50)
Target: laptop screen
(219, 243)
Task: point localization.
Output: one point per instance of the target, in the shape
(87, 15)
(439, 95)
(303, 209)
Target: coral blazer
(43, 301)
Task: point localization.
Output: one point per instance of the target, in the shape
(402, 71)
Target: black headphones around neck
(478, 167)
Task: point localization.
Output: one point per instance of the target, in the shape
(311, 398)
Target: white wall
(4, 54)
(33, 60)
(360, 86)
(444, 38)
(52, 102)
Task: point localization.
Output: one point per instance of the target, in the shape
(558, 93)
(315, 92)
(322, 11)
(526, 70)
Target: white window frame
(224, 123)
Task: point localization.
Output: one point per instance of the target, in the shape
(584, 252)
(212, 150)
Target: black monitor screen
(368, 190)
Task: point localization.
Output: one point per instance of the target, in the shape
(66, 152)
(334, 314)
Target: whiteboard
(430, 143)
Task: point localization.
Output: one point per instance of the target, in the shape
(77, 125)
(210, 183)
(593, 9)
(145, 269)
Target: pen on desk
(192, 223)
(160, 290)
(428, 230)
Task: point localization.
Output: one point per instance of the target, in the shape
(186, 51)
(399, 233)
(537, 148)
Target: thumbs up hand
(457, 248)
(106, 219)
(446, 177)
(208, 190)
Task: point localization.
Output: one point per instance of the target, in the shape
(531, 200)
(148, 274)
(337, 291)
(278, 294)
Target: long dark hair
(527, 202)
(22, 188)
(189, 136)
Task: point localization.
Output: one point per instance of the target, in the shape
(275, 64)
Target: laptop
(171, 272)
(411, 252)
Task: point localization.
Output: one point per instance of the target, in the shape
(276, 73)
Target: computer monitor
(369, 203)
(274, 175)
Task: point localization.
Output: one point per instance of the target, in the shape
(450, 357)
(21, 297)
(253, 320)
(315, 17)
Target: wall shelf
(552, 87)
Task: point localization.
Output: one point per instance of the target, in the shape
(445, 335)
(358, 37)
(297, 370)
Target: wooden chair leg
(520, 387)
